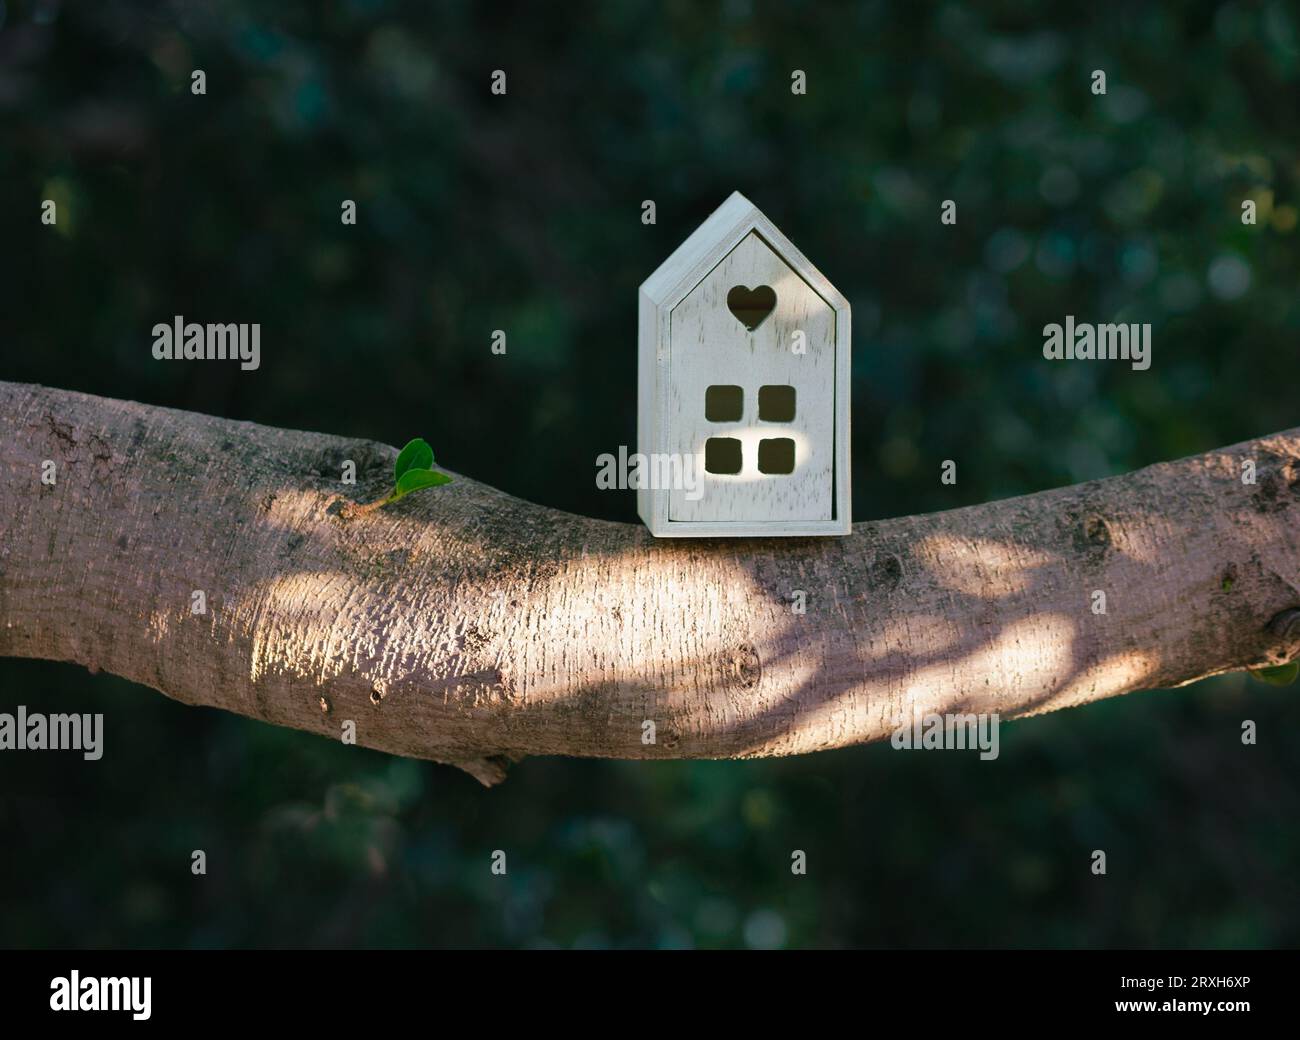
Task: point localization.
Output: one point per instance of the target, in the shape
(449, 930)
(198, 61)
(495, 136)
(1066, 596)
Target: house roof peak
(709, 243)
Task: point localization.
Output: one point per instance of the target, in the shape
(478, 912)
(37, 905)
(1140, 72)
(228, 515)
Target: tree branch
(466, 626)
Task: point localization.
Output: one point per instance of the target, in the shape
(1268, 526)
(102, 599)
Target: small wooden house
(743, 386)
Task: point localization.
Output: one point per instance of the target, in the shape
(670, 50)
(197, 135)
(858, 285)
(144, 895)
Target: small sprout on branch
(412, 470)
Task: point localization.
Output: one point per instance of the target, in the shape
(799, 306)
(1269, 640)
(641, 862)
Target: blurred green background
(523, 213)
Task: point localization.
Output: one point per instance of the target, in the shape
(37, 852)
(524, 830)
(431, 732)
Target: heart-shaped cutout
(751, 306)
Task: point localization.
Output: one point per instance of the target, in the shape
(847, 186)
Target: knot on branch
(885, 573)
(744, 665)
(1285, 630)
(1286, 625)
(1278, 482)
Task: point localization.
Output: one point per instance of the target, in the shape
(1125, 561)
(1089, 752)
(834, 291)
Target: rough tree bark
(466, 626)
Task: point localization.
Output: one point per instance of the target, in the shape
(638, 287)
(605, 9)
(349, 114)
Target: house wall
(709, 346)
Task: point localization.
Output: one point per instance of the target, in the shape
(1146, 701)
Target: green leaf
(1278, 675)
(414, 479)
(416, 455)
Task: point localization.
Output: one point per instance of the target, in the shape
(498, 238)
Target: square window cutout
(776, 455)
(776, 403)
(722, 455)
(724, 403)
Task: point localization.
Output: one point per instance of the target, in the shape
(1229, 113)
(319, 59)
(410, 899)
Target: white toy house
(744, 373)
